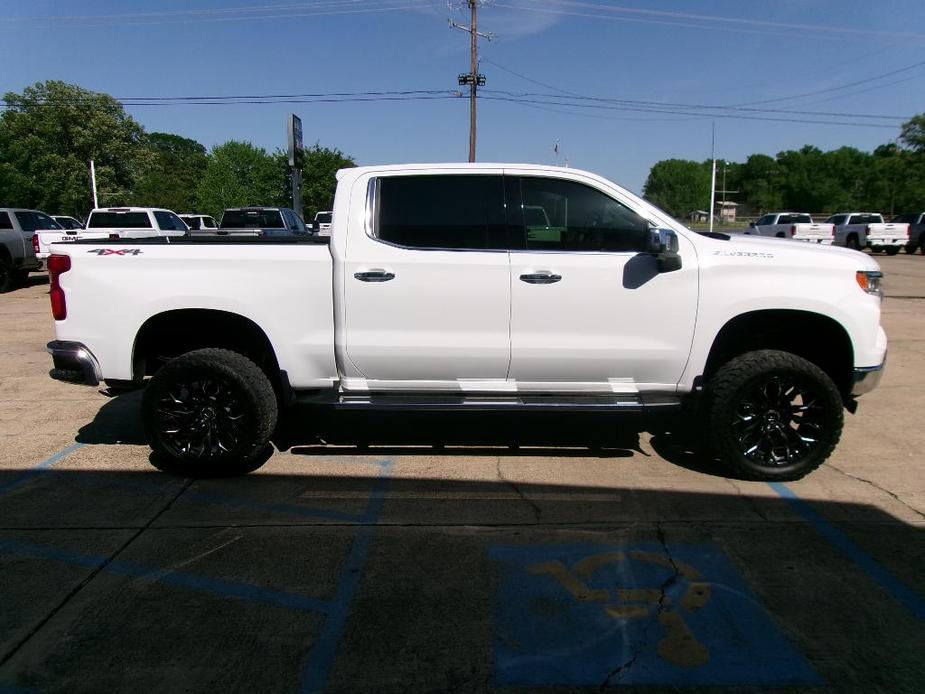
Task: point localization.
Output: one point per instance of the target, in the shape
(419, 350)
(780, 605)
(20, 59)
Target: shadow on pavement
(350, 575)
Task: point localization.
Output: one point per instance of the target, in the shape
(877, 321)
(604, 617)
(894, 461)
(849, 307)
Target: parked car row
(857, 230)
(26, 235)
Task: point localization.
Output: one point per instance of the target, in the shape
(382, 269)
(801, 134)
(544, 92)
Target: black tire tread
(237, 368)
(730, 378)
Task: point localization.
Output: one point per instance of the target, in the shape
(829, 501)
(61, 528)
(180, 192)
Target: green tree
(169, 170)
(238, 174)
(320, 164)
(913, 133)
(679, 186)
(759, 183)
(49, 134)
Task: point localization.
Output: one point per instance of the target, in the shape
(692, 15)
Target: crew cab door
(426, 283)
(590, 310)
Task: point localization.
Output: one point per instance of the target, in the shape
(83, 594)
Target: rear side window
(192, 222)
(124, 220)
(208, 222)
(5, 221)
(464, 212)
(836, 219)
(168, 221)
(35, 221)
(564, 215)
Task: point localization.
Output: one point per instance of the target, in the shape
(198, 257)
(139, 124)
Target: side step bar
(641, 402)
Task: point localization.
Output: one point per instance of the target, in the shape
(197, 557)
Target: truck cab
(18, 228)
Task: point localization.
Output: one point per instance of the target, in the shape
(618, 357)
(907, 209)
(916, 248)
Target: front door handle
(374, 276)
(540, 278)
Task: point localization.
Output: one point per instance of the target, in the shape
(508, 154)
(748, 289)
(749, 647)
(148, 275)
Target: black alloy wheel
(209, 412)
(773, 415)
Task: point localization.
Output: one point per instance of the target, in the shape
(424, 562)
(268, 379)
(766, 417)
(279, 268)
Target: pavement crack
(537, 512)
(873, 484)
(89, 577)
(614, 676)
(752, 502)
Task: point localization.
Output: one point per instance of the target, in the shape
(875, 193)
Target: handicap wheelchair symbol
(679, 646)
(571, 614)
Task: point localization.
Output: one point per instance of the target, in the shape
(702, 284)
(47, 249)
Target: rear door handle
(540, 278)
(374, 276)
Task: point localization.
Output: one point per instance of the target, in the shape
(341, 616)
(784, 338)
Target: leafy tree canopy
(49, 134)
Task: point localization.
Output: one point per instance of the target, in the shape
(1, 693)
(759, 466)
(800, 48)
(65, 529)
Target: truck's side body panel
(284, 289)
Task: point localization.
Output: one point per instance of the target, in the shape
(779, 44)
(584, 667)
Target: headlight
(870, 281)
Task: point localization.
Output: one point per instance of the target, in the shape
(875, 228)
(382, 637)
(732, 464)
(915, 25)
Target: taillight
(35, 243)
(793, 230)
(57, 265)
(867, 229)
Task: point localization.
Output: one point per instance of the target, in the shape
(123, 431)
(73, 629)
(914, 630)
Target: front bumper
(866, 379)
(74, 363)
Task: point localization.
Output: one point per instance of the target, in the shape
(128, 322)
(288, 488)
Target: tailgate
(888, 233)
(814, 233)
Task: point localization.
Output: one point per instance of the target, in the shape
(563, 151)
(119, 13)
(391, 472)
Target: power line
(342, 7)
(732, 116)
(705, 20)
(840, 87)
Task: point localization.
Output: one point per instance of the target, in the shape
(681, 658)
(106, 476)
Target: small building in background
(698, 216)
(726, 211)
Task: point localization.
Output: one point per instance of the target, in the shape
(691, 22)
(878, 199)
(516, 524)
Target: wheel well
(172, 333)
(817, 338)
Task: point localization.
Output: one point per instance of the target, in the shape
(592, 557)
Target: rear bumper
(866, 379)
(880, 242)
(74, 363)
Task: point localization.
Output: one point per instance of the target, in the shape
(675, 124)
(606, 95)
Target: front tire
(209, 412)
(773, 416)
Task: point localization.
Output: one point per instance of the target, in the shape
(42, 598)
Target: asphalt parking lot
(450, 554)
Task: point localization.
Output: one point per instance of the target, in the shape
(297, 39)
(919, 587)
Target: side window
(167, 221)
(785, 219)
(836, 219)
(5, 221)
(464, 212)
(858, 219)
(299, 224)
(208, 222)
(564, 215)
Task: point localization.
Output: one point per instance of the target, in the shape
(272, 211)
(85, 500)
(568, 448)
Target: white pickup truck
(114, 222)
(798, 226)
(859, 230)
(432, 293)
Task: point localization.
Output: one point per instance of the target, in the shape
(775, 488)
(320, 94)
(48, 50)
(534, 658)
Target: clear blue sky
(706, 52)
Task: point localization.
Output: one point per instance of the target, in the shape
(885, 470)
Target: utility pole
(472, 78)
(93, 183)
(713, 177)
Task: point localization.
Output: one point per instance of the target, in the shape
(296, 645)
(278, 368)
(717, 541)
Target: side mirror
(752, 225)
(663, 244)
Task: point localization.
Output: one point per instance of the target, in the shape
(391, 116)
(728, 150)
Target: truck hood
(799, 251)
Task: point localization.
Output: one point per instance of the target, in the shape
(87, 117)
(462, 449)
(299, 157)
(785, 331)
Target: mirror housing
(663, 244)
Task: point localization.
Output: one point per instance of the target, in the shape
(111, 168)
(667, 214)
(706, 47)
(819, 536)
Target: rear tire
(852, 242)
(773, 416)
(209, 412)
(7, 275)
(911, 248)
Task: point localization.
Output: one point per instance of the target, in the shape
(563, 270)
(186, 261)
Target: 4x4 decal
(116, 251)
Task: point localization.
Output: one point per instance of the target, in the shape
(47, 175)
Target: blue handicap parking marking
(593, 615)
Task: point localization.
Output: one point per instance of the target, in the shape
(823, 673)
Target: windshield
(252, 219)
(125, 220)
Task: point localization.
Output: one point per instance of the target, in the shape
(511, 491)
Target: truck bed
(284, 285)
